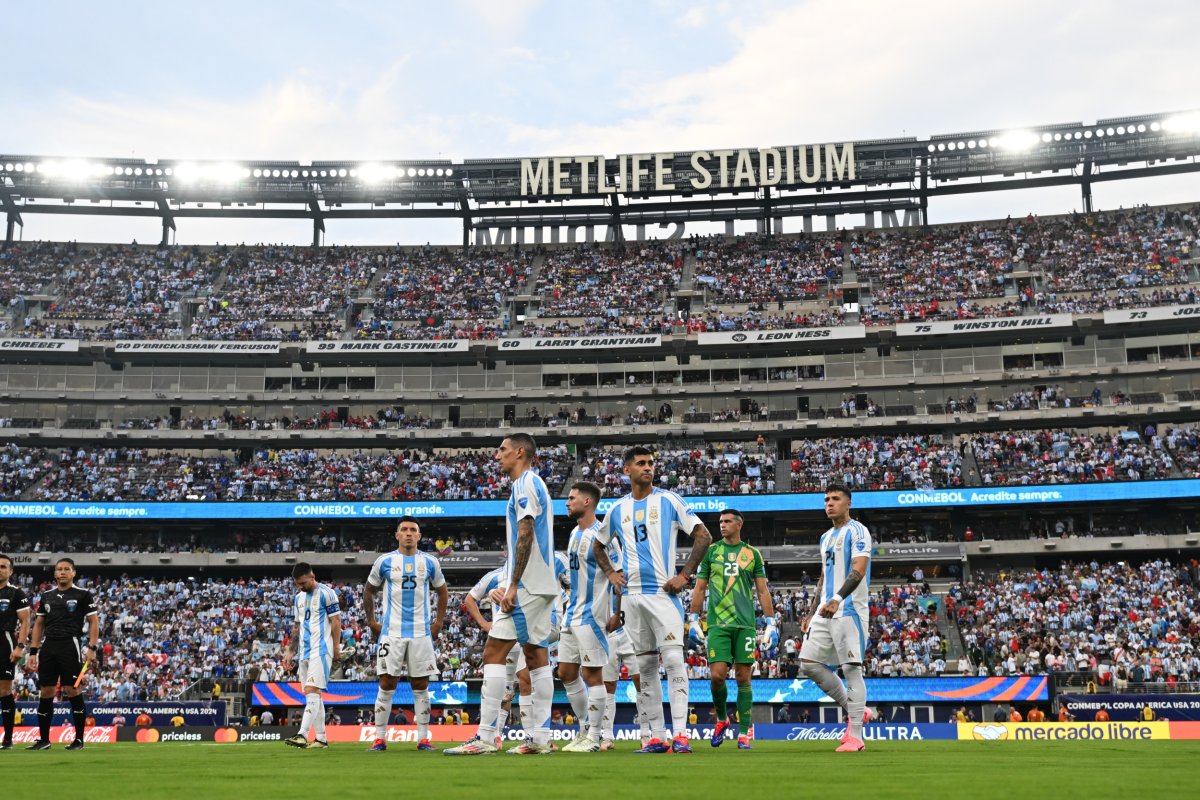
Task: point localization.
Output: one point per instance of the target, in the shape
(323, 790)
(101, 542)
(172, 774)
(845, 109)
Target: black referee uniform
(63, 614)
(12, 601)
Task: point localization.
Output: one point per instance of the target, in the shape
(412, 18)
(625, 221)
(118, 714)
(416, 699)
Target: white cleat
(475, 747)
(528, 748)
(583, 744)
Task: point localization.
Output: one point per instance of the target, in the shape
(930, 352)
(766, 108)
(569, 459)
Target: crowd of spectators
(1062, 456)
(595, 282)
(876, 462)
(462, 474)
(1124, 623)
(755, 269)
(134, 474)
(28, 268)
(702, 469)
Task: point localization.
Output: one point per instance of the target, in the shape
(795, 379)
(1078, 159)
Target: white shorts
(395, 654)
(836, 641)
(620, 653)
(529, 621)
(315, 671)
(584, 645)
(653, 621)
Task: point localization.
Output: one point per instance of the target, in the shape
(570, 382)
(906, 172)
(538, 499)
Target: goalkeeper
(731, 572)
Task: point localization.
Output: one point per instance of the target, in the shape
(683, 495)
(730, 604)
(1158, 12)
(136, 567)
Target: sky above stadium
(476, 78)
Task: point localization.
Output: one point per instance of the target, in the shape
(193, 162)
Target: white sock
(421, 713)
(383, 710)
(502, 719)
(650, 699)
(490, 699)
(543, 698)
(856, 698)
(597, 702)
(306, 720)
(610, 713)
(318, 715)
(828, 680)
(525, 710)
(677, 685)
(578, 694)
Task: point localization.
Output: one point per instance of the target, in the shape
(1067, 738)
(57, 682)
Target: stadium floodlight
(1184, 123)
(187, 172)
(1141, 128)
(412, 172)
(1099, 133)
(1018, 140)
(449, 172)
(376, 173)
(1046, 137)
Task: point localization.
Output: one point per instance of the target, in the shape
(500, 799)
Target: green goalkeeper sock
(720, 693)
(745, 703)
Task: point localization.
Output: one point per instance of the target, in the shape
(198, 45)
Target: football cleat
(75, 745)
(317, 744)
(425, 744)
(474, 747)
(718, 734)
(867, 717)
(39, 745)
(680, 744)
(607, 744)
(582, 744)
(297, 741)
(6, 746)
(655, 746)
(378, 746)
(744, 743)
(851, 745)
(528, 748)
(499, 742)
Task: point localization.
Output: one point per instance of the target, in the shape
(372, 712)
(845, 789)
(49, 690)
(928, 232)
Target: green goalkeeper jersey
(731, 572)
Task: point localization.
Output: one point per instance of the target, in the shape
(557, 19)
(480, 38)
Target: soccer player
(731, 573)
(316, 639)
(646, 522)
(525, 603)
(406, 634)
(475, 601)
(14, 632)
(63, 613)
(584, 639)
(837, 627)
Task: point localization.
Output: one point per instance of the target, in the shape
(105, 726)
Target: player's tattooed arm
(524, 548)
(701, 539)
(852, 581)
(615, 576)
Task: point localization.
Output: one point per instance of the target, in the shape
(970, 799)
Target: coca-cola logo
(66, 734)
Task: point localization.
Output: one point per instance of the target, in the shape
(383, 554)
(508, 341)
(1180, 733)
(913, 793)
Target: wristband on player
(33, 651)
(839, 599)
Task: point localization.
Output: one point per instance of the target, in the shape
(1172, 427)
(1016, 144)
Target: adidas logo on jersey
(670, 637)
(587, 659)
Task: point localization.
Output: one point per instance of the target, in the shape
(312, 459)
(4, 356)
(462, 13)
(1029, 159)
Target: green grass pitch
(773, 769)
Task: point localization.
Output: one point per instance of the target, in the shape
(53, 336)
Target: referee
(62, 615)
(14, 631)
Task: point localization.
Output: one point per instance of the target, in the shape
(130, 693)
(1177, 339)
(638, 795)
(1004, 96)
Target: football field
(804, 769)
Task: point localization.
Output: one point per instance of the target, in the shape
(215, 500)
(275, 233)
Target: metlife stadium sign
(450, 509)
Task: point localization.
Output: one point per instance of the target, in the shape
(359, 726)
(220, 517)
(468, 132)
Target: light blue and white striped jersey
(531, 499)
(646, 530)
(406, 581)
(590, 600)
(839, 548)
(492, 580)
(315, 611)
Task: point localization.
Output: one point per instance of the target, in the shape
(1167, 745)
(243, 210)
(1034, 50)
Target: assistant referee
(14, 630)
(63, 614)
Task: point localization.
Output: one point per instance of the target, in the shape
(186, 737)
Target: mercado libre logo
(148, 735)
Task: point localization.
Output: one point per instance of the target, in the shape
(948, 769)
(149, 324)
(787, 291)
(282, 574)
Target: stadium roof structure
(766, 183)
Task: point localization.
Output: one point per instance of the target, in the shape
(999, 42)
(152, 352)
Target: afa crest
(639, 515)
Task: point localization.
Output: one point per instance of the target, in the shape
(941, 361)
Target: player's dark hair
(6, 558)
(68, 560)
(408, 518)
(637, 450)
(588, 488)
(733, 512)
(839, 487)
(525, 442)
(301, 569)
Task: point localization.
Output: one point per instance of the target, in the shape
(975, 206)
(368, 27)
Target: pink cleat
(851, 745)
(867, 717)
